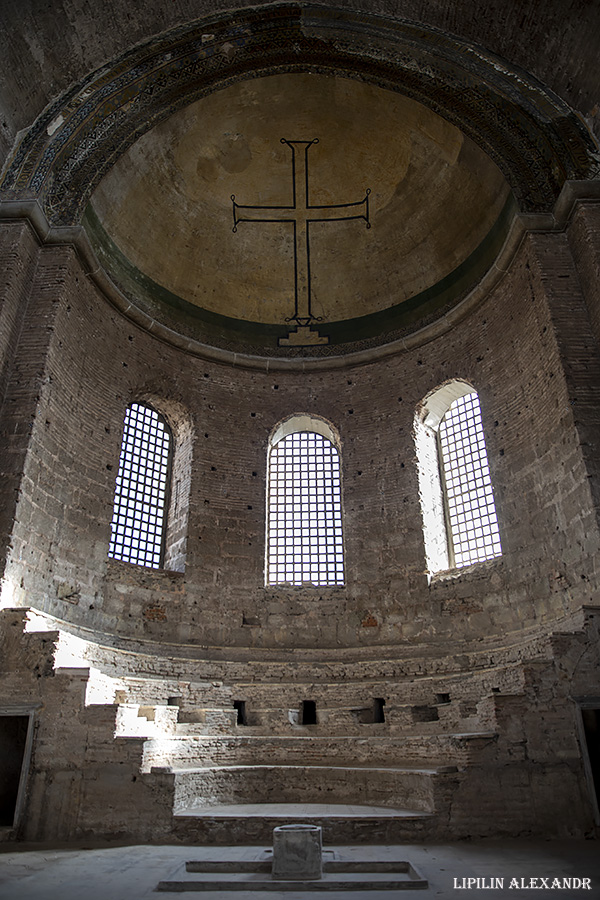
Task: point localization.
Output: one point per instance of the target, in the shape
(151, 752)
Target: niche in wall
(308, 713)
(378, 711)
(373, 714)
(240, 707)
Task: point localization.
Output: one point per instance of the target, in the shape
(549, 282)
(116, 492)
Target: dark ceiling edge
(30, 211)
(535, 138)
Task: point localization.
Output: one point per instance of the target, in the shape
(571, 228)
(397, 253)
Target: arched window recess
(304, 540)
(150, 511)
(457, 500)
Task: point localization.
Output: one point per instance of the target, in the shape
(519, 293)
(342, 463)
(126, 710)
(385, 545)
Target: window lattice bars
(141, 491)
(473, 533)
(304, 536)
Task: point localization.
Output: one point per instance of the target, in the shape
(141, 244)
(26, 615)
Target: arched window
(457, 498)
(138, 528)
(304, 505)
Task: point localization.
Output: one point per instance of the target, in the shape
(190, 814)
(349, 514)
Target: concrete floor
(132, 873)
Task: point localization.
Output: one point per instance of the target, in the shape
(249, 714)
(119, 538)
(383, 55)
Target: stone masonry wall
(557, 43)
(30, 290)
(96, 363)
(18, 257)
(583, 240)
(81, 782)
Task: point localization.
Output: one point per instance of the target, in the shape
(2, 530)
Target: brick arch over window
(150, 512)
(304, 540)
(460, 524)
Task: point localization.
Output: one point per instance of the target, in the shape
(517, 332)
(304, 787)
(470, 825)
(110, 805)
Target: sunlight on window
(138, 523)
(471, 513)
(305, 516)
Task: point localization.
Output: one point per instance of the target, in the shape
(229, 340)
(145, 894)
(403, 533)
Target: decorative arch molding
(304, 422)
(537, 141)
(438, 401)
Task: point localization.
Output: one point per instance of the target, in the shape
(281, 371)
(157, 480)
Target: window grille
(304, 524)
(472, 523)
(141, 492)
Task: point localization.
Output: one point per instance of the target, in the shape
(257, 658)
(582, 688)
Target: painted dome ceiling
(360, 216)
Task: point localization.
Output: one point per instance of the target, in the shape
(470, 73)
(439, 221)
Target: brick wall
(80, 364)
(562, 57)
(31, 291)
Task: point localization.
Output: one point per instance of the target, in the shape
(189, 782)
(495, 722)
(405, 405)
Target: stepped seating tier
(419, 755)
(386, 787)
(195, 752)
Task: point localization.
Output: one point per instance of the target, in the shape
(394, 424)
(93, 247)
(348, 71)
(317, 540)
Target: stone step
(208, 717)
(159, 676)
(340, 872)
(342, 881)
(231, 824)
(297, 812)
(312, 748)
(264, 693)
(418, 789)
(338, 723)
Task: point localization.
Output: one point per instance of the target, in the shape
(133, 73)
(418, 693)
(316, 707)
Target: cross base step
(340, 873)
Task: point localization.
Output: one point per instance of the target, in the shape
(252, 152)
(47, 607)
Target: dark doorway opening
(308, 712)
(13, 742)
(591, 728)
(240, 706)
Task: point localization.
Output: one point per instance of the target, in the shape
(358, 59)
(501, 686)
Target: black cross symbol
(301, 214)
